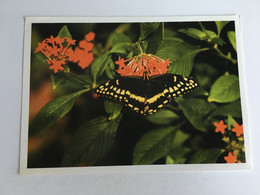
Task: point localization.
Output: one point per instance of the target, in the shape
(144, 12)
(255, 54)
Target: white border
(132, 168)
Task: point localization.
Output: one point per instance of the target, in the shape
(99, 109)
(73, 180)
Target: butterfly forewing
(128, 90)
(146, 96)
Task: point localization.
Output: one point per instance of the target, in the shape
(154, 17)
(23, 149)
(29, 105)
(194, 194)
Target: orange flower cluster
(55, 51)
(82, 54)
(58, 51)
(141, 64)
(238, 129)
(220, 127)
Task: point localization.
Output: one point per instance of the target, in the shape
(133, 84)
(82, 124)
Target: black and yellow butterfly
(146, 95)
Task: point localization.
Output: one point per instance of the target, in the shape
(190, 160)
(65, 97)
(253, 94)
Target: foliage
(101, 132)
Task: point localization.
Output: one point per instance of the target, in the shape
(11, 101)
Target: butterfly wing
(131, 91)
(166, 87)
(149, 95)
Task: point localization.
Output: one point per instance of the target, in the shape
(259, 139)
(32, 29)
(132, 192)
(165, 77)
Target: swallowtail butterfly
(146, 95)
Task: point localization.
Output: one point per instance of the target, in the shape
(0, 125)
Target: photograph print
(133, 93)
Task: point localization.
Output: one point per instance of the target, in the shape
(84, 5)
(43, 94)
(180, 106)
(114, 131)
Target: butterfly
(146, 95)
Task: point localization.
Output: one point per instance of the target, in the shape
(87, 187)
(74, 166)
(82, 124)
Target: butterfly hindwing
(166, 87)
(146, 96)
(128, 90)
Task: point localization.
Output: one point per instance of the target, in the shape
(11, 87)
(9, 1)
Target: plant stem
(225, 56)
(162, 30)
(139, 47)
(76, 76)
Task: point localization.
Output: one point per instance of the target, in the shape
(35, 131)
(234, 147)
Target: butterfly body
(146, 95)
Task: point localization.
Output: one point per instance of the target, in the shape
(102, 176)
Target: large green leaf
(220, 25)
(62, 79)
(196, 111)
(120, 48)
(194, 33)
(155, 41)
(147, 29)
(91, 142)
(163, 117)
(99, 66)
(64, 32)
(225, 89)
(113, 109)
(181, 56)
(154, 145)
(53, 111)
(232, 39)
(120, 38)
(206, 156)
(233, 109)
(110, 69)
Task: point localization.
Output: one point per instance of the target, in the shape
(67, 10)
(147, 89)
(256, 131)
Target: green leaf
(120, 38)
(199, 92)
(196, 111)
(194, 33)
(218, 40)
(57, 79)
(233, 109)
(53, 111)
(169, 160)
(114, 109)
(211, 34)
(220, 25)
(61, 79)
(155, 41)
(91, 142)
(41, 57)
(147, 29)
(231, 122)
(99, 66)
(163, 117)
(204, 74)
(179, 139)
(178, 151)
(206, 156)
(154, 145)
(64, 32)
(180, 160)
(120, 48)
(225, 89)
(181, 56)
(232, 38)
(110, 69)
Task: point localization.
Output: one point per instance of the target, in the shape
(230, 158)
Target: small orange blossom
(231, 158)
(220, 127)
(238, 129)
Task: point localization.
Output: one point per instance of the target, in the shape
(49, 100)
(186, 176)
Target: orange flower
(56, 65)
(238, 129)
(55, 49)
(90, 36)
(58, 51)
(220, 127)
(82, 54)
(231, 158)
(141, 64)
